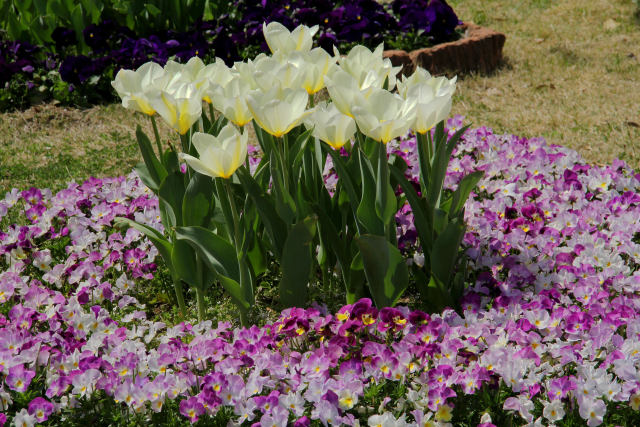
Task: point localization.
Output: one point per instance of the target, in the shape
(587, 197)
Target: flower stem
(157, 135)
(244, 277)
(211, 117)
(177, 286)
(200, 290)
(201, 305)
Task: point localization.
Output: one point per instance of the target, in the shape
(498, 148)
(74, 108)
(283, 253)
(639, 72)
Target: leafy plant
(439, 221)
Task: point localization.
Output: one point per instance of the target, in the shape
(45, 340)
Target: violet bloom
(191, 408)
(76, 69)
(41, 409)
(19, 378)
(63, 37)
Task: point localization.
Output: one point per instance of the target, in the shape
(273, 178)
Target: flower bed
(479, 49)
(549, 332)
(63, 72)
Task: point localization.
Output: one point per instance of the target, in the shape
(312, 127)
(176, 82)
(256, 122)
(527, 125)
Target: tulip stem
(157, 135)
(430, 147)
(211, 118)
(200, 290)
(200, 301)
(424, 159)
(234, 214)
(282, 150)
(244, 278)
(177, 285)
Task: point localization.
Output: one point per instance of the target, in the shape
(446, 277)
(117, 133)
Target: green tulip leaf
(167, 217)
(418, 207)
(145, 177)
(460, 196)
(440, 221)
(170, 161)
(345, 179)
(172, 192)
(285, 206)
(217, 253)
(385, 269)
(184, 263)
(234, 290)
(296, 263)
(444, 252)
(156, 171)
(366, 211)
(444, 149)
(275, 226)
(198, 202)
(299, 146)
(437, 296)
(217, 125)
(386, 203)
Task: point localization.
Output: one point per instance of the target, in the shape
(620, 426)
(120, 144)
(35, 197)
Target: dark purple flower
(63, 37)
(77, 69)
(101, 37)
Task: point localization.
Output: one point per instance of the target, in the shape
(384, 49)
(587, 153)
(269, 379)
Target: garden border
(480, 49)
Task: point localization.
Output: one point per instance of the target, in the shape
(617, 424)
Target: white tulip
(330, 125)
(231, 101)
(280, 39)
(135, 88)
(220, 156)
(385, 115)
(278, 110)
(369, 68)
(344, 91)
(212, 75)
(246, 70)
(442, 86)
(180, 108)
(270, 72)
(432, 96)
(314, 65)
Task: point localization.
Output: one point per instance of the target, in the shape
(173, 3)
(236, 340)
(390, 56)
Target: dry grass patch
(48, 146)
(570, 75)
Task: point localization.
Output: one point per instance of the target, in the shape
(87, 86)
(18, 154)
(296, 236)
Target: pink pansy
(19, 378)
(41, 409)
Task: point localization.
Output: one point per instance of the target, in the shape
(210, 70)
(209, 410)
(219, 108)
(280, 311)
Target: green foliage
(35, 20)
(439, 221)
(146, 17)
(385, 269)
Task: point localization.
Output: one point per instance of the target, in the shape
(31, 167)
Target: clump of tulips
(222, 222)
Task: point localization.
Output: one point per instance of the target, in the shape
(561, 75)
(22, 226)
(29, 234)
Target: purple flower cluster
(551, 315)
(115, 46)
(343, 23)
